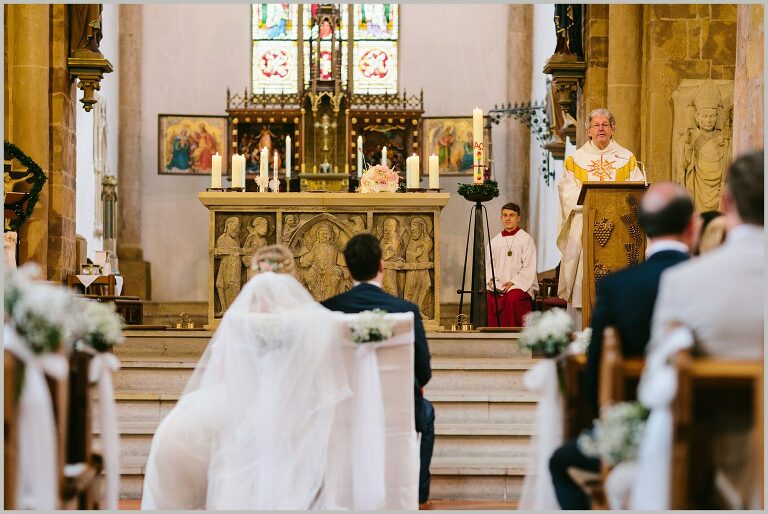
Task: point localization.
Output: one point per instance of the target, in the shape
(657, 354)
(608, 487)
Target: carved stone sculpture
(418, 283)
(228, 279)
(702, 149)
(290, 224)
(393, 252)
(257, 238)
(324, 275)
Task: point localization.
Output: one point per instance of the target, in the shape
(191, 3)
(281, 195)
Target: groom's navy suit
(625, 300)
(365, 296)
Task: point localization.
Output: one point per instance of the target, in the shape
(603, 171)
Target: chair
(547, 298)
(701, 382)
(401, 473)
(11, 383)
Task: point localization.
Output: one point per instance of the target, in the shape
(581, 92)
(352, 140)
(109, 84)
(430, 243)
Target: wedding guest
(625, 300)
(513, 255)
(363, 256)
(713, 230)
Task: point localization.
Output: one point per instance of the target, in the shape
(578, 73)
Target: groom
(363, 258)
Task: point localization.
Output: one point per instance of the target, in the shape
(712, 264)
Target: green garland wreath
(488, 189)
(23, 213)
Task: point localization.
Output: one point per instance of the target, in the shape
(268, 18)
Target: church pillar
(519, 79)
(749, 84)
(129, 250)
(28, 34)
(62, 259)
(625, 32)
(593, 92)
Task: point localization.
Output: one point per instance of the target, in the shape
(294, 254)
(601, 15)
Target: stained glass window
(277, 47)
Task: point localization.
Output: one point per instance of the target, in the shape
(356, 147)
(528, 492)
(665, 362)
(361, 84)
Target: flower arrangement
(581, 341)
(548, 333)
(266, 264)
(371, 326)
(616, 436)
(101, 326)
(379, 179)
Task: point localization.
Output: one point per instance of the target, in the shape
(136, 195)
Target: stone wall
(749, 85)
(680, 42)
(594, 91)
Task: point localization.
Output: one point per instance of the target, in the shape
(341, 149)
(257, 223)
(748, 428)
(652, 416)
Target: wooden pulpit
(611, 235)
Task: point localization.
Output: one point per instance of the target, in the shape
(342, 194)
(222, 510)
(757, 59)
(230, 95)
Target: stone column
(519, 80)
(62, 259)
(28, 37)
(625, 30)
(749, 85)
(129, 249)
(593, 92)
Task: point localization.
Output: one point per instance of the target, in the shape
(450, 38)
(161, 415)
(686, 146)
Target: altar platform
(485, 417)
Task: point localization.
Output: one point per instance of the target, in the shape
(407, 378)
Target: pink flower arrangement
(379, 179)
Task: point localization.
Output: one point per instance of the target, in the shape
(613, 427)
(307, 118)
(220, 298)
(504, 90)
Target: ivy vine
(24, 207)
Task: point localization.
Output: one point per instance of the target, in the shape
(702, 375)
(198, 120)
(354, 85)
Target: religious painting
(274, 21)
(376, 21)
(187, 143)
(450, 138)
(392, 135)
(253, 136)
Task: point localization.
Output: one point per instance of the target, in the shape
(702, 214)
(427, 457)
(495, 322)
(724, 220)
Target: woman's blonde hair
(275, 258)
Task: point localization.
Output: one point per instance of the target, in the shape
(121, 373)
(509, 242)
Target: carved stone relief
(408, 253)
(238, 236)
(702, 138)
(603, 231)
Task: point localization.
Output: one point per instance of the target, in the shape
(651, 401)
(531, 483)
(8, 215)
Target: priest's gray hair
(601, 112)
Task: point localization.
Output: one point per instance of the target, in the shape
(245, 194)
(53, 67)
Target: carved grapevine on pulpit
(602, 232)
(633, 225)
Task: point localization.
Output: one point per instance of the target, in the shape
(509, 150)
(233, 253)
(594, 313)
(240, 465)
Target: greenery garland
(22, 214)
(489, 188)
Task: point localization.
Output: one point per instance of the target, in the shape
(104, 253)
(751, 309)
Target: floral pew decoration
(38, 330)
(550, 334)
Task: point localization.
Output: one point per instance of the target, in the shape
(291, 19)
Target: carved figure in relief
(392, 253)
(228, 279)
(324, 278)
(257, 238)
(418, 283)
(290, 224)
(356, 223)
(705, 149)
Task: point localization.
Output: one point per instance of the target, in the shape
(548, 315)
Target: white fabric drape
(379, 470)
(38, 484)
(538, 492)
(100, 371)
(657, 390)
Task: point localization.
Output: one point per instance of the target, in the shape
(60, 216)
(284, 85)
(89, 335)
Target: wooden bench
(619, 376)
(703, 381)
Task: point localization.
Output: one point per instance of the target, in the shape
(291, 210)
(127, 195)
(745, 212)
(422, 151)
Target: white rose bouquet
(371, 326)
(379, 179)
(101, 327)
(616, 436)
(548, 333)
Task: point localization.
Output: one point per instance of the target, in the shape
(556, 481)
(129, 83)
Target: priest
(514, 266)
(600, 159)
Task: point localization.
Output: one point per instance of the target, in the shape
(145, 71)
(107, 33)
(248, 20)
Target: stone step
(475, 344)
(483, 412)
(158, 344)
(499, 479)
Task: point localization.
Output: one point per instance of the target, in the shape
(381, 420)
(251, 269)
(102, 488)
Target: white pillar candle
(274, 164)
(407, 172)
(434, 171)
(359, 156)
(288, 151)
(477, 145)
(384, 156)
(263, 169)
(415, 171)
(242, 171)
(216, 171)
(235, 172)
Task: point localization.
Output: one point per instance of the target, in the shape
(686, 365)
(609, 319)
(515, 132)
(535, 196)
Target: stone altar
(316, 227)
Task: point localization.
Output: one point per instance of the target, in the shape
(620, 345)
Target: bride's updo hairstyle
(275, 258)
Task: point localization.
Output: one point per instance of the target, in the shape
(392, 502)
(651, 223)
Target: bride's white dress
(251, 428)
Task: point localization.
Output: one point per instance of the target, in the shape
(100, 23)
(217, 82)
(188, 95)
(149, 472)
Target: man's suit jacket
(365, 297)
(625, 300)
(720, 297)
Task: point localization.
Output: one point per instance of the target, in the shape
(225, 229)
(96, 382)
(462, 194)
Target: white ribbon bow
(37, 486)
(100, 372)
(657, 390)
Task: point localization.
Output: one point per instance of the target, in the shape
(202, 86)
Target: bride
(251, 428)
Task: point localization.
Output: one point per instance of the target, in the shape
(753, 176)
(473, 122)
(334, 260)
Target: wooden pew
(577, 411)
(699, 380)
(618, 375)
(11, 383)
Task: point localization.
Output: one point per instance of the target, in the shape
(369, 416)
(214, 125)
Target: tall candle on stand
(477, 146)
(434, 172)
(274, 164)
(242, 171)
(263, 169)
(288, 150)
(235, 170)
(407, 172)
(216, 171)
(359, 156)
(384, 156)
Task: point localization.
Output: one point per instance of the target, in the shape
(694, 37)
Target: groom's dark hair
(363, 255)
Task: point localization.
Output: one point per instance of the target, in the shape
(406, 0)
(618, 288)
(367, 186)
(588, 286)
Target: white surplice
(518, 268)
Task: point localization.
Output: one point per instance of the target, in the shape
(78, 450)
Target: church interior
(152, 149)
